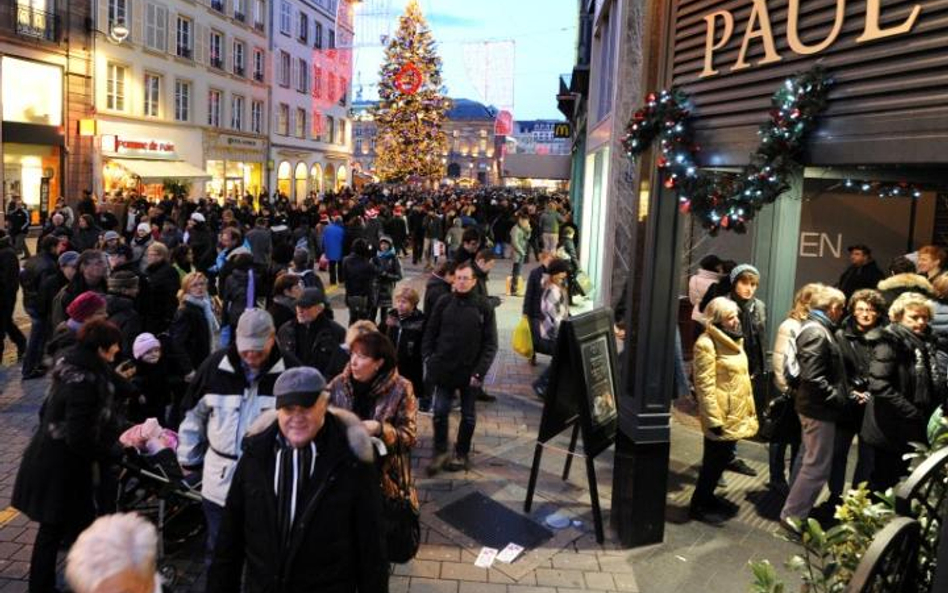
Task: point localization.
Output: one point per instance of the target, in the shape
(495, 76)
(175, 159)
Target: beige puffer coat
(723, 386)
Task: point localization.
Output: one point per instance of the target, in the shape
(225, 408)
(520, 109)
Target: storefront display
(234, 165)
(145, 162)
(33, 173)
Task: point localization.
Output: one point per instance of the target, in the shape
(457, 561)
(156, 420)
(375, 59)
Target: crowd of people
(864, 360)
(213, 320)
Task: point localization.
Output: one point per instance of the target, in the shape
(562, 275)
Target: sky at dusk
(474, 41)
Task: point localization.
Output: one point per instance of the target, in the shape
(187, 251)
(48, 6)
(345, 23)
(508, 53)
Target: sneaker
(437, 464)
(740, 466)
(458, 462)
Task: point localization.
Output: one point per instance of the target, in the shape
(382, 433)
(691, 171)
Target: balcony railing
(183, 52)
(239, 16)
(217, 5)
(239, 70)
(217, 63)
(258, 26)
(38, 24)
(258, 76)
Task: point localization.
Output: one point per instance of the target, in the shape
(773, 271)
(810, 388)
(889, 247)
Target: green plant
(830, 556)
(176, 187)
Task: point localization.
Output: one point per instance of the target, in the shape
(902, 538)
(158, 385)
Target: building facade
(181, 95)
(474, 152)
(46, 84)
(311, 57)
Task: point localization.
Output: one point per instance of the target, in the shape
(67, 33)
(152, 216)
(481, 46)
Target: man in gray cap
(313, 337)
(307, 490)
(230, 390)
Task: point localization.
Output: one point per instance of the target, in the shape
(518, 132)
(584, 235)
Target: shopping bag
(323, 263)
(522, 340)
(582, 278)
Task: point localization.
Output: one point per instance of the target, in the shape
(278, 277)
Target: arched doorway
(454, 170)
(284, 178)
(329, 178)
(301, 178)
(341, 178)
(316, 178)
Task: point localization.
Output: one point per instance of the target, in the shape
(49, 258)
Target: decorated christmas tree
(411, 109)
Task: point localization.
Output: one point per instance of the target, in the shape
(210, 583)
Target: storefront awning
(156, 171)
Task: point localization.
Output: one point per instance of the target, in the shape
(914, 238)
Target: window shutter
(200, 33)
(162, 15)
(137, 19)
(172, 32)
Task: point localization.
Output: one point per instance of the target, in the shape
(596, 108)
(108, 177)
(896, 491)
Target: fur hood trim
(909, 281)
(359, 440)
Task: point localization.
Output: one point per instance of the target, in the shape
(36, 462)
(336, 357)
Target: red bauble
(670, 183)
(638, 115)
(650, 97)
(725, 222)
(662, 162)
(685, 207)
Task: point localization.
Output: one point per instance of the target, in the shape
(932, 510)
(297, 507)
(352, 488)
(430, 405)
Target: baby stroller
(155, 486)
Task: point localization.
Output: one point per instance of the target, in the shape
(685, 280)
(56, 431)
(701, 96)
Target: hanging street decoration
(409, 79)
(902, 189)
(729, 201)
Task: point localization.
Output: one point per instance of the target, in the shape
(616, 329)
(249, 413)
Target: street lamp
(118, 33)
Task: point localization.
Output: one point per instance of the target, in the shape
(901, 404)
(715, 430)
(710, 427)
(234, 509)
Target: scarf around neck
(205, 305)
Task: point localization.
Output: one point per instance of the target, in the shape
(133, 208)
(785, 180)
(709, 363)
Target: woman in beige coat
(725, 404)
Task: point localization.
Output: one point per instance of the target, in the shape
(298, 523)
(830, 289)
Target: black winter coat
(203, 246)
(856, 278)
(460, 339)
(163, 285)
(361, 277)
(533, 296)
(389, 273)
(856, 349)
(122, 312)
(9, 277)
(190, 334)
(36, 270)
(407, 337)
(282, 309)
(324, 338)
(436, 288)
(822, 371)
(905, 389)
(78, 431)
(336, 543)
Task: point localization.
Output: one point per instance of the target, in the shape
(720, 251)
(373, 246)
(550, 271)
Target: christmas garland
(729, 201)
(882, 189)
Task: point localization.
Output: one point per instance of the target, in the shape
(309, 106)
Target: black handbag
(402, 526)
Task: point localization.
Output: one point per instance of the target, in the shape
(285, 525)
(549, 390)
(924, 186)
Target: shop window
(302, 85)
(300, 123)
(341, 177)
(258, 65)
(284, 180)
(183, 43)
(303, 28)
(214, 108)
(284, 68)
(115, 87)
(301, 177)
(40, 101)
(239, 51)
(316, 178)
(152, 94)
(329, 178)
(256, 117)
(156, 27)
(237, 112)
(182, 100)
(119, 14)
(286, 17)
(283, 119)
(217, 50)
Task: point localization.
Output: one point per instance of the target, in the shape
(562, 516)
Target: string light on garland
(901, 189)
(723, 201)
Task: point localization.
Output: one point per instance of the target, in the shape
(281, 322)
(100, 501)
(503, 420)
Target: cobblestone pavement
(693, 557)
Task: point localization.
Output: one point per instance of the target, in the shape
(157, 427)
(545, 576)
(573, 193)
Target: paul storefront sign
(719, 32)
(113, 145)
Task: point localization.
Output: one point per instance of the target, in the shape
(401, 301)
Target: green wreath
(729, 201)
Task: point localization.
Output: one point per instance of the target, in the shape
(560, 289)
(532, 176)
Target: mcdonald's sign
(563, 130)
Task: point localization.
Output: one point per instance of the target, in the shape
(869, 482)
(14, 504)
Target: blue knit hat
(743, 269)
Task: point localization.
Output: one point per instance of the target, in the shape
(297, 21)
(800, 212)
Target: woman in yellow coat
(725, 404)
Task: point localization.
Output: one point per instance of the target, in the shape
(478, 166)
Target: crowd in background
(213, 320)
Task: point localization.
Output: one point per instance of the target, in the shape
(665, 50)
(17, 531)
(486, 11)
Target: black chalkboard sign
(582, 396)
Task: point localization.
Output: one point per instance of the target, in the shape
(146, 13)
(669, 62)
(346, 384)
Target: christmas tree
(411, 109)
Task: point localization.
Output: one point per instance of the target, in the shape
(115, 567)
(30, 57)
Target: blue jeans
(213, 514)
(36, 342)
(442, 409)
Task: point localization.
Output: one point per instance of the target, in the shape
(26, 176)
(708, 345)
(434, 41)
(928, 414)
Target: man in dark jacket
(459, 347)
(261, 242)
(120, 304)
(470, 243)
(532, 300)
(300, 521)
(18, 221)
(93, 269)
(37, 270)
(819, 397)
(10, 283)
(863, 272)
(439, 284)
(314, 338)
(201, 239)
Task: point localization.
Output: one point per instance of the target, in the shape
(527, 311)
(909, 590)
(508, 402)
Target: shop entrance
(31, 172)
